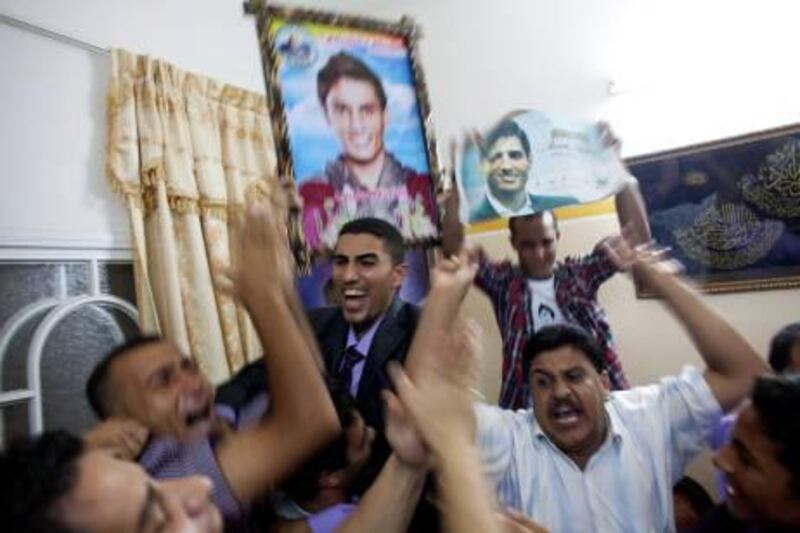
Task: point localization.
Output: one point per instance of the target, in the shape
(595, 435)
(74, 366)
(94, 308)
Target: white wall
(688, 71)
(52, 132)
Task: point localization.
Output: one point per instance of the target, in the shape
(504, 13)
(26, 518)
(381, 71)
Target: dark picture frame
(296, 44)
(729, 209)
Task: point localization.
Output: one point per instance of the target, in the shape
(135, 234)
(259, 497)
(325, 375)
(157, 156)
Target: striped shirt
(167, 457)
(576, 282)
(627, 484)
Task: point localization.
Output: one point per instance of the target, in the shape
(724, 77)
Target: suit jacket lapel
(388, 338)
(335, 341)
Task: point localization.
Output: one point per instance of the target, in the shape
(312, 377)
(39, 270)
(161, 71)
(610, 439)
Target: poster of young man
(354, 119)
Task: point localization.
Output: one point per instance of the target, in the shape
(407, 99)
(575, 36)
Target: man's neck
(533, 277)
(581, 457)
(368, 173)
(512, 202)
(362, 328)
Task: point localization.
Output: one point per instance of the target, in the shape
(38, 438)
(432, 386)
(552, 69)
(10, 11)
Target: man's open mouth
(565, 414)
(354, 299)
(200, 415)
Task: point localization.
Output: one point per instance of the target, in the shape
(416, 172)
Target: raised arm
(301, 418)
(450, 282)
(731, 362)
(440, 402)
(389, 504)
(632, 212)
(452, 229)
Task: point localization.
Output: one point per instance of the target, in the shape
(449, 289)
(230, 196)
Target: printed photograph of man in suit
(506, 162)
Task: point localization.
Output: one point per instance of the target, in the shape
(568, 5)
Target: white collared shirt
(627, 484)
(504, 212)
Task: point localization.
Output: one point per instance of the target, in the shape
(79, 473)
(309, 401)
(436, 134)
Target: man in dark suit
(372, 325)
(369, 326)
(506, 159)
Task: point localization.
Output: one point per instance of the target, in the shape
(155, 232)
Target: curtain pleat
(187, 152)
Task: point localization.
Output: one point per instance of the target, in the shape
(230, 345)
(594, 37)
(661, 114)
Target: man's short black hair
(780, 348)
(344, 65)
(551, 338)
(512, 221)
(391, 237)
(35, 475)
(97, 389)
(776, 399)
(507, 128)
(303, 486)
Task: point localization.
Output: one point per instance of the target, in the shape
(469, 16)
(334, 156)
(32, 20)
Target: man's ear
(605, 380)
(399, 273)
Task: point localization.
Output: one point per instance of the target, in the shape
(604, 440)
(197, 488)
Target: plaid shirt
(576, 282)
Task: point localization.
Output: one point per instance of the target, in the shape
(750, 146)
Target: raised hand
(124, 438)
(440, 400)
(455, 273)
(402, 434)
(607, 137)
(264, 258)
(647, 259)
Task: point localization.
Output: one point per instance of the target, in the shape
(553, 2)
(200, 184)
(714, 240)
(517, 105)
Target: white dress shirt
(504, 212)
(627, 484)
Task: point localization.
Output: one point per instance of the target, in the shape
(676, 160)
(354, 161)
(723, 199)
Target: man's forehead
(147, 357)
(347, 90)
(359, 244)
(750, 432)
(530, 226)
(506, 144)
(561, 359)
(99, 476)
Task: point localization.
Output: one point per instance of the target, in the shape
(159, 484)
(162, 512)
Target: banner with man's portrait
(350, 117)
(533, 161)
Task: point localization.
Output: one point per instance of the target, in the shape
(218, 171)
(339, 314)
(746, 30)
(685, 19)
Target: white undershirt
(544, 308)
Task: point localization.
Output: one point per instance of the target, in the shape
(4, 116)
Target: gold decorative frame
(405, 28)
(749, 218)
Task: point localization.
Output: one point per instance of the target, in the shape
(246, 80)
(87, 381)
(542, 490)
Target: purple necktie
(350, 358)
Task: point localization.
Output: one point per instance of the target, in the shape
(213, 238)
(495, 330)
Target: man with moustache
(585, 458)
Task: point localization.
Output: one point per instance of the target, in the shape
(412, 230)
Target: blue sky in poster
(311, 141)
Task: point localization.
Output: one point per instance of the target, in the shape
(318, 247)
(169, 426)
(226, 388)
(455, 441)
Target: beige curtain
(187, 152)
